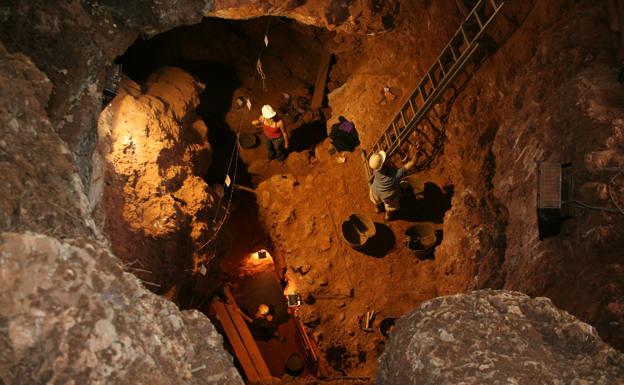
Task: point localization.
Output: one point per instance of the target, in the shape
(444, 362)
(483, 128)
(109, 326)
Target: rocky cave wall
(52, 72)
(49, 144)
(549, 93)
(69, 311)
(151, 199)
(504, 337)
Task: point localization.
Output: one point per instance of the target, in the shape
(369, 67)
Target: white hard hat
(377, 160)
(263, 309)
(267, 111)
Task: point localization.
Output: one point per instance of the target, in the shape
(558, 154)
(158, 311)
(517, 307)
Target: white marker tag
(249, 104)
(228, 181)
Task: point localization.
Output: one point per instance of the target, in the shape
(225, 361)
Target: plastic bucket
(421, 238)
(357, 229)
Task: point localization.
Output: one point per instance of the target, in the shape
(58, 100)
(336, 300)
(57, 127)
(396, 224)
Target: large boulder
(496, 337)
(147, 185)
(71, 315)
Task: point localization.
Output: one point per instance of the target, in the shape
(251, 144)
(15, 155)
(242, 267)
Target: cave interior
(232, 171)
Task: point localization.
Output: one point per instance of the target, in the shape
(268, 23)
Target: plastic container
(357, 229)
(421, 238)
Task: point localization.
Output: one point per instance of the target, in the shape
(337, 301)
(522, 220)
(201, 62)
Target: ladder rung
(432, 80)
(397, 121)
(414, 103)
(420, 93)
(461, 28)
(403, 118)
(411, 104)
(453, 52)
(441, 67)
(476, 15)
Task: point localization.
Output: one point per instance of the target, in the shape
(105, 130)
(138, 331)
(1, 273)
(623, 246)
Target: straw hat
(377, 160)
(267, 111)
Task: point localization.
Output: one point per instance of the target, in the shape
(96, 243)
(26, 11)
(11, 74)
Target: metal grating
(549, 186)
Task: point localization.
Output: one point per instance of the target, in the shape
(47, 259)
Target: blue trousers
(275, 148)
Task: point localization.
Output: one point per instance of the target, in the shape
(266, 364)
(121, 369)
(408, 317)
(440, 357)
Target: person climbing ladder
(385, 190)
(275, 135)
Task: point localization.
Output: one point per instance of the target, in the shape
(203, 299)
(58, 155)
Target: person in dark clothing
(343, 135)
(263, 326)
(385, 190)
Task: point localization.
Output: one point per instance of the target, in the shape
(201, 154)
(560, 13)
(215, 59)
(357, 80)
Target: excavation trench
(178, 143)
(195, 206)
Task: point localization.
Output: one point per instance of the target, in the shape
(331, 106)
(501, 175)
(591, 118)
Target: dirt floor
(303, 201)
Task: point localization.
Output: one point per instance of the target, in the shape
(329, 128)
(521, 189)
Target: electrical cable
(344, 255)
(611, 182)
(618, 208)
(234, 155)
(597, 208)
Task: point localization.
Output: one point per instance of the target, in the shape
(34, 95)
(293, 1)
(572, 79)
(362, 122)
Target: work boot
(380, 208)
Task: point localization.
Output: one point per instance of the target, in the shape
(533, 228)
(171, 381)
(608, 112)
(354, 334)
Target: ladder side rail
(459, 30)
(443, 86)
(452, 72)
(483, 24)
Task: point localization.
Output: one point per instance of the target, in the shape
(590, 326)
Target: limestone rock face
(40, 190)
(496, 337)
(151, 203)
(68, 313)
(79, 318)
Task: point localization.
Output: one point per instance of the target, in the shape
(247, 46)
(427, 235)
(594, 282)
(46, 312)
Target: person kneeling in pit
(385, 190)
(262, 324)
(275, 135)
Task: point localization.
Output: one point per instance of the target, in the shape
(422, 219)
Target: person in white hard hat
(263, 324)
(275, 135)
(385, 190)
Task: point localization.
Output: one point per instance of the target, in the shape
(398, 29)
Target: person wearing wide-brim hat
(385, 190)
(275, 135)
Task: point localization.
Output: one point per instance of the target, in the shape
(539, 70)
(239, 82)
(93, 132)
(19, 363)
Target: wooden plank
(240, 351)
(321, 79)
(248, 340)
(250, 343)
